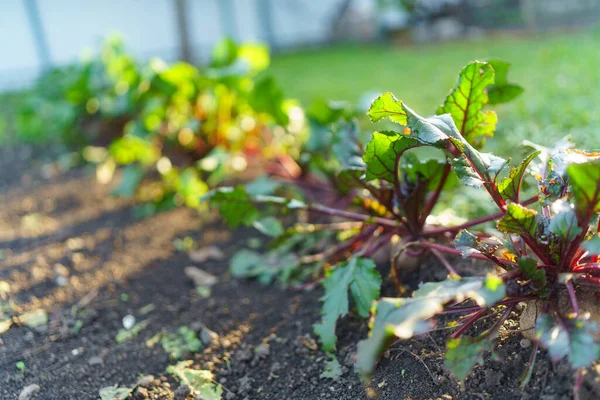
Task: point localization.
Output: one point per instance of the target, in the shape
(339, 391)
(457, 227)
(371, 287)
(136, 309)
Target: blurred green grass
(559, 71)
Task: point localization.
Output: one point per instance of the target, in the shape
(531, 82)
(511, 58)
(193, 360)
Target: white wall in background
(149, 27)
(18, 57)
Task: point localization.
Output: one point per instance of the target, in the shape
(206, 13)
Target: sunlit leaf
(387, 106)
(519, 220)
(267, 97)
(466, 101)
(585, 185)
(362, 279)
(201, 381)
(382, 153)
(115, 393)
(406, 317)
(224, 53)
(510, 187)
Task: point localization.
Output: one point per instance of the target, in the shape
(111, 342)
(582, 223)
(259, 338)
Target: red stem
(468, 323)
(503, 318)
(451, 250)
(468, 224)
(431, 202)
(459, 310)
(354, 216)
(572, 296)
(444, 262)
(587, 280)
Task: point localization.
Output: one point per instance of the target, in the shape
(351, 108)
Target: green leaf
(416, 169)
(430, 131)
(183, 341)
(564, 223)
(360, 277)
(34, 318)
(129, 149)
(473, 167)
(262, 185)
(250, 264)
(483, 291)
(510, 187)
(528, 266)
(345, 145)
(463, 353)
(268, 97)
(519, 220)
(125, 335)
(235, 206)
(269, 226)
(592, 245)
(115, 393)
(585, 186)
(255, 55)
(200, 381)
(131, 177)
(333, 369)
(191, 188)
(382, 152)
(468, 244)
(406, 317)
(465, 172)
(387, 106)
(365, 286)
(326, 112)
(224, 53)
(571, 338)
(466, 101)
(502, 91)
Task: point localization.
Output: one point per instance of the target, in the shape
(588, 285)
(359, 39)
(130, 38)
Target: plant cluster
(189, 127)
(544, 247)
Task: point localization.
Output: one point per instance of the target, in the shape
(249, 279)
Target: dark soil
(67, 225)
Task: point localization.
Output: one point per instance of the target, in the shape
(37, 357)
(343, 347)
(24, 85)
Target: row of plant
(544, 247)
(186, 127)
(337, 202)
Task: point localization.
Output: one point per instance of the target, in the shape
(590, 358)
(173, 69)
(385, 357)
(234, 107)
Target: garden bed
(117, 265)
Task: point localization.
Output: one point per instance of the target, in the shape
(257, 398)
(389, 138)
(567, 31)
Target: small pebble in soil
(128, 321)
(95, 360)
(525, 343)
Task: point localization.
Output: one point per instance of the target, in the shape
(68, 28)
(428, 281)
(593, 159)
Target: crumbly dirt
(68, 247)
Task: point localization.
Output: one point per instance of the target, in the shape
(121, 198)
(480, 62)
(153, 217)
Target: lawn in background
(559, 71)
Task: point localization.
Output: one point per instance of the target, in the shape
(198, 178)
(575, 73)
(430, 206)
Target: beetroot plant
(547, 252)
(395, 183)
